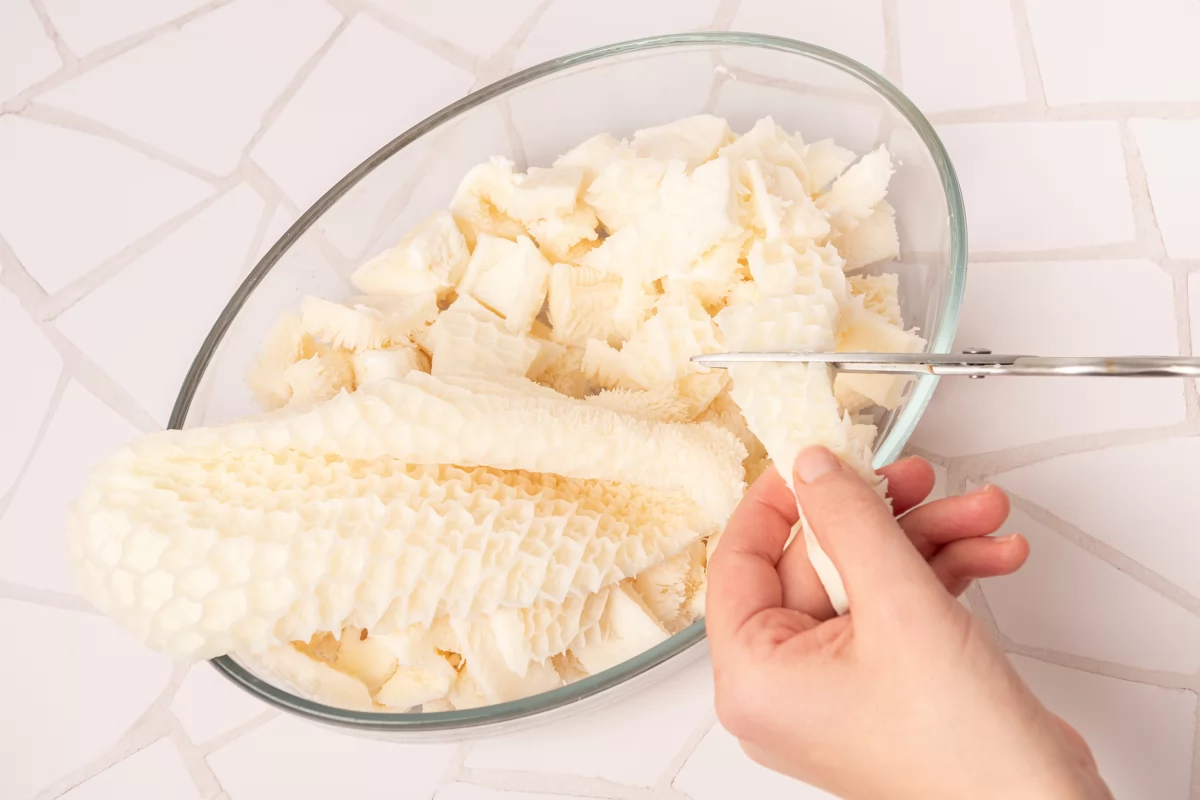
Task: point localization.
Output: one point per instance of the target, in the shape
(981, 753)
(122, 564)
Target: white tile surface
(718, 770)
(559, 31)
(1168, 151)
(300, 760)
(154, 771)
(86, 26)
(372, 82)
(43, 740)
(104, 194)
(1057, 308)
(630, 742)
(1114, 51)
(1041, 185)
(1140, 735)
(978, 62)
(851, 27)
(178, 289)
(26, 54)
(1069, 600)
(207, 704)
(82, 433)
(1149, 510)
(39, 366)
(479, 28)
(464, 791)
(200, 93)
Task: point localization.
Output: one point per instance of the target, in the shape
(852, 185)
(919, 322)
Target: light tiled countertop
(151, 150)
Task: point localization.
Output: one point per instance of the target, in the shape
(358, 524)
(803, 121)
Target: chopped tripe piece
(635, 303)
(316, 679)
(470, 339)
(566, 238)
(664, 588)
(568, 667)
(825, 162)
(366, 323)
(659, 354)
(483, 202)
(543, 193)
(659, 404)
(391, 362)
(365, 659)
(492, 677)
(779, 270)
(724, 411)
(873, 240)
(286, 343)
(423, 674)
(632, 630)
(694, 212)
(319, 377)
(778, 206)
(524, 636)
(594, 155)
(768, 142)
(625, 189)
(581, 304)
(429, 259)
(465, 693)
(509, 278)
(880, 294)
(696, 584)
(440, 705)
(858, 191)
(564, 373)
(864, 331)
(694, 140)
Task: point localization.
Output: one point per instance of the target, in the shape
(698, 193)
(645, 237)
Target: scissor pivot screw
(977, 351)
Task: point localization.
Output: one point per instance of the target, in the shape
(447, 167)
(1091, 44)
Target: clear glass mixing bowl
(532, 117)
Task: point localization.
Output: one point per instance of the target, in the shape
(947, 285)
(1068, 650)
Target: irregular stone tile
(1116, 51)
(144, 325)
(977, 64)
(33, 530)
(26, 54)
(156, 771)
(1022, 182)
(1068, 600)
(1139, 498)
(1167, 148)
(104, 195)
(301, 760)
(370, 87)
(629, 742)
(1056, 308)
(35, 365)
(559, 32)
(719, 770)
(481, 28)
(1141, 735)
(853, 28)
(200, 92)
(207, 704)
(87, 26)
(74, 661)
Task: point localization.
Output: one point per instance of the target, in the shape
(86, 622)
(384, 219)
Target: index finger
(742, 576)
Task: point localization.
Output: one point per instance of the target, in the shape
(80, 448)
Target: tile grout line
(69, 120)
(1115, 251)
(64, 52)
(725, 14)
(1110, 555)
(56, 396)
(78, 289)
(281, 101)
(1145, 221)
(890, 12)
(1035, 86)
(1194, 794)
(500, 63)
(1018, 113)
(447, 51)
(671, 772)
(550, 783)
(206, 781)
(47, 598)
(107, 53)
(210, 746)
(148, 729)
(1107, 669)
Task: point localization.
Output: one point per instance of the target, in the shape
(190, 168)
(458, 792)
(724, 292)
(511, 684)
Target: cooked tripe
(497, 470)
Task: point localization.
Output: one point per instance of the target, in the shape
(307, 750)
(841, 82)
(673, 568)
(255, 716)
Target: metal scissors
(975, 363)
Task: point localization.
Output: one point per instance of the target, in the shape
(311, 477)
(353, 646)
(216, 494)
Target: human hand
(904, 697)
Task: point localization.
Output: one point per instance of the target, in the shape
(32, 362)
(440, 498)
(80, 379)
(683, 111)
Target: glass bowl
(532, 117)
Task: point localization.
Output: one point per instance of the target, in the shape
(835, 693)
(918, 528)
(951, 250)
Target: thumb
(855, 527)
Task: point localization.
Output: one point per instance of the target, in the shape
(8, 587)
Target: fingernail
(813, 463)
(987, 487)
(1008, 537)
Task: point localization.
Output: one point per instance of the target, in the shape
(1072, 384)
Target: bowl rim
(653, 660)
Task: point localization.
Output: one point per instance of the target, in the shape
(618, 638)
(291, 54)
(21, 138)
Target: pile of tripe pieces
(497, 471)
